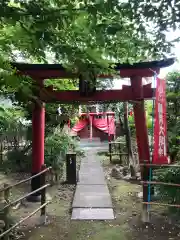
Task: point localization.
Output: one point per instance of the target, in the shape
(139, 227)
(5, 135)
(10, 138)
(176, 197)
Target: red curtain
(102, 125)
(80, 125)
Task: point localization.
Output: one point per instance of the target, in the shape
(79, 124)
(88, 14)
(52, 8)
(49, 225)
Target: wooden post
(6, 211)
(2, 204)
(119, 148)
(109, 136)
(91, 127)
(141, 136)
(51, 176)
(120, 153)
(43, 194)
(114, 138)
(110, 152)
(145, 177)
(130, 156)
(1, 149)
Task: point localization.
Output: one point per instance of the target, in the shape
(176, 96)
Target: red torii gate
(136, 92)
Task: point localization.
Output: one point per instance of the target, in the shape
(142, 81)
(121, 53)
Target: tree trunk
(131, 161)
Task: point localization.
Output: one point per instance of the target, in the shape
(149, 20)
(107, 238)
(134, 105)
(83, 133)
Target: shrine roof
(97, 114)
(141, 65)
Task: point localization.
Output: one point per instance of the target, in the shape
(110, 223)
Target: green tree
(173, 114)
(163, 15)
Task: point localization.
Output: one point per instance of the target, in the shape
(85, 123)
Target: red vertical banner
(160, 125)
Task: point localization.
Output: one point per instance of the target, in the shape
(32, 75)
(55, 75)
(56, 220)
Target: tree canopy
(77, 33)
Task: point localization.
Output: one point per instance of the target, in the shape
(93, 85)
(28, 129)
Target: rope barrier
(159, 165)
(162, 204)
(160, 183)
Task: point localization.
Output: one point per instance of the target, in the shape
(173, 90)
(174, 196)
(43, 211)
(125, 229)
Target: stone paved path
(92, 200)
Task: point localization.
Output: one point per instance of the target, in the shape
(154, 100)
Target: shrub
(17, 160)
(56, 147)
(168, 194)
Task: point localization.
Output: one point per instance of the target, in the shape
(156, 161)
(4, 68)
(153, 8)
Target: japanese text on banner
(160, 128)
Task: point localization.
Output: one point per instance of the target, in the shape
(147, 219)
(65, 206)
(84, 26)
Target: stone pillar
(71, 168)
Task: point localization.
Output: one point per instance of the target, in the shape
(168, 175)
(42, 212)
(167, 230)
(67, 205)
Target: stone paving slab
(92, 214)
(91, 177)
(91, 172)
(90, 168)
(92, 196)
(91, 159)
(92, 165)
(83, 180)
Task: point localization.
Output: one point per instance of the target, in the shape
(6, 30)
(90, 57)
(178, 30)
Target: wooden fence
(146, 183)
(5, 211)
(118, 149)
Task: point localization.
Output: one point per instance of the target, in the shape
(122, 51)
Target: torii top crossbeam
(40, 72)
(50, 71)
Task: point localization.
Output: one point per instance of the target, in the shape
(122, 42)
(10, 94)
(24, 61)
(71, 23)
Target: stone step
(92, 214)
(92, 196)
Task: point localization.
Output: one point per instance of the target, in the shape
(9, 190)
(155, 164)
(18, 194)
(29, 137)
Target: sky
(176, 66)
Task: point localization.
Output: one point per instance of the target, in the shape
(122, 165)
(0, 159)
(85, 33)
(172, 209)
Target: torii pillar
(141, 136)
(38, 133)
